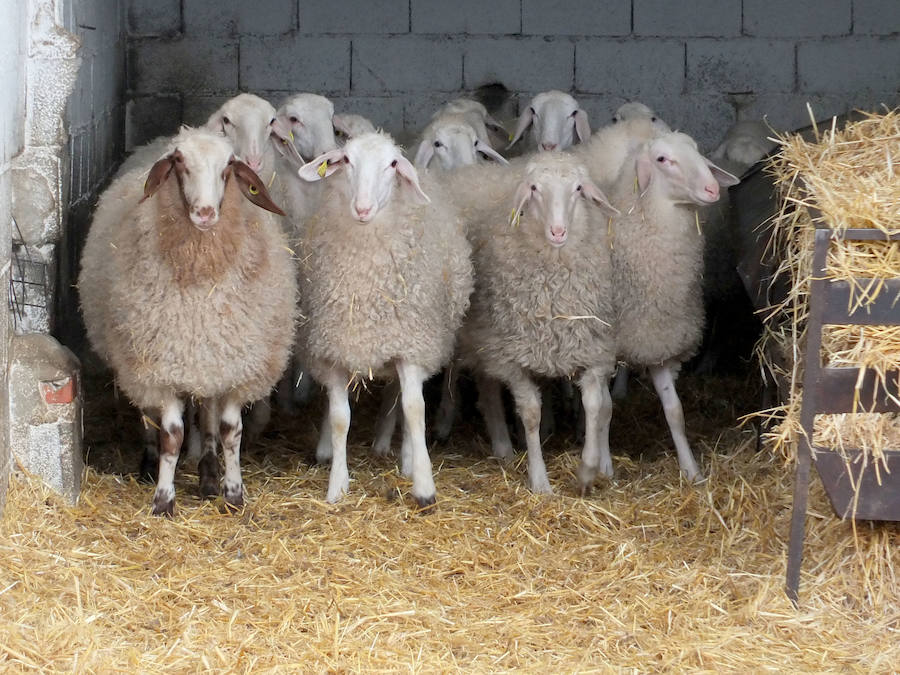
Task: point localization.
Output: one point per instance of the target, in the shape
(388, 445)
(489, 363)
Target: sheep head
(556, 120)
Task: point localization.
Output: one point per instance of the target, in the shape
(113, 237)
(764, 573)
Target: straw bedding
(850, 176)
(645, 574)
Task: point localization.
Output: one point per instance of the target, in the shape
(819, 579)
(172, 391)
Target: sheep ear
(722, 177)
(158, 174)
(644, 170)
(283, 141)
(488, 151)
(322, 166)
(582, 126)
(525, 120)
(408, 173)
(590, 191)
(424, 154)
(523, 194)
(252, 187)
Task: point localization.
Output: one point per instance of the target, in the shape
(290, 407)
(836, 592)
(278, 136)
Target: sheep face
(635, 110)
(556, 120)
(309, 119)
(250, 124)
(372, 166)
(203, 162)
(554, 194)
(683, 174)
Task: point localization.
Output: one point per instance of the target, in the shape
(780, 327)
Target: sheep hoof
(163, 506)
(337, 489)
(234, 496)
(382, 450)
(426, 503)
(541, 486)
(208, 469)
(504, 453)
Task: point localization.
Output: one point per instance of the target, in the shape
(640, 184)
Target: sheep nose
(205, 213)
(548, 146)
(362, 212)
(712, 190)
(254, 163)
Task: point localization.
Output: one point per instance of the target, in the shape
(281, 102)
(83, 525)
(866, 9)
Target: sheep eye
(226, 121)
(253, 189)
(345, 159)
(394, 164)
(533, 111)
(661, 159)
(438, 144)
(574, 112)
(578, 188)
(534, 188)
(653, 119)
(293, 119)
(272, 121)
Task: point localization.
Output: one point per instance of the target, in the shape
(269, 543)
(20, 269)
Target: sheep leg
(339, 425)
(171, 435)
(490, 403)
(208, 466)
(230, 431)
(528, 403)
(149, 470)
(323, 448)
(664, 383)
(257, 419)
(192, 431)
(548, 414)
(387, 419)
(446, 413)
(595, 457)
(411, 379)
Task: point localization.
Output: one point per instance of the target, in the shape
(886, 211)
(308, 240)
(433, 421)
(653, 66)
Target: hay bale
(849, 176)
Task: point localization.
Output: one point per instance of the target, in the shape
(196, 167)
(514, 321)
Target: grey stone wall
(700, 64)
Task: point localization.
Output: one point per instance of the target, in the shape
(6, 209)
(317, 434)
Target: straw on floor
(645, 574)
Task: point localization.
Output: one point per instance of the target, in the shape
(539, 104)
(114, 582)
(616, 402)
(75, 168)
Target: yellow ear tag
(514, 216)
(253, 190)
(323, 167)
(510, 138)
(291, 134)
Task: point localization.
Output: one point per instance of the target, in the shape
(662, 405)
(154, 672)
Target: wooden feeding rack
(853, 492)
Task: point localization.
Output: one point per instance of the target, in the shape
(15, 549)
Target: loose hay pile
(850, 177)
(646, 574)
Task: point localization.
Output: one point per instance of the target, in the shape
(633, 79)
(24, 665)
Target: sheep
(542, 304)
(657, 257)
(385, 281)
(745, 143)
(189, 292)
(496, 132)
(454, 139)
(350, 125)
(556, 120)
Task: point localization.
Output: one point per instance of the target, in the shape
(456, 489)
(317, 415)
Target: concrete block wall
(12, 141)
(701, 64)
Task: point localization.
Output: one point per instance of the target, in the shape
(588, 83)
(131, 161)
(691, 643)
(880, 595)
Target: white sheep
(657, 260)
(350, 125)
(556, 121)
(454, 140)
(743, 145)
(386, 277)
(497, 133)
(542, 304)
(189, 293)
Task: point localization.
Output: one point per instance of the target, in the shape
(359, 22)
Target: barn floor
(645, 574)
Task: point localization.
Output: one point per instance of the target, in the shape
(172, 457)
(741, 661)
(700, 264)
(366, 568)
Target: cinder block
(154, 17)
(701, 18)
(293, 63)
(876, 17)
(472, 17)
(260, 17)
(798, 18)
(354, 16)
(576, 17)
(384, 112)
(740, 65)
(633, 68)
(148, 117)
(849, 65)
(408, 63)
(703, 116)
(36, 179)
(522, 64)
(167, 66)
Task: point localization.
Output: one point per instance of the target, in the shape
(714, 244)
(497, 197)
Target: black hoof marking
(208, 470)
(164, 507)
(426, 504)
